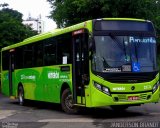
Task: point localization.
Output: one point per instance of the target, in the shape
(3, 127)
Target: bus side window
(19, 58)
(64, 49)
(28, 56)
(5, 62)
(49, 52)
(38, 54)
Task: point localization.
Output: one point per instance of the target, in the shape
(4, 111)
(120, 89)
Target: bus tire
(67, 102)
(21, 95)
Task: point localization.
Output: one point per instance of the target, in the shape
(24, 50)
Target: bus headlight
(106, 90)
(98, 86)
(155, 87)
(102, 88)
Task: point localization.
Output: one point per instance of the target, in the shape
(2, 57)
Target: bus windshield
(124, 54)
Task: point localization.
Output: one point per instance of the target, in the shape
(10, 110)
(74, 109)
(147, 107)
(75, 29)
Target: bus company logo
(119, 89)
(133, 88)
(31, 77)
(53, 75)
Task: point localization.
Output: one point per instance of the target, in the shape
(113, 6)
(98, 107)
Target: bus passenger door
(80, 67)
(11, 71)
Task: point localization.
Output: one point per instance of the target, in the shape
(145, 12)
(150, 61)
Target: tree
(4, 5)
(11, 28)
(69, 12)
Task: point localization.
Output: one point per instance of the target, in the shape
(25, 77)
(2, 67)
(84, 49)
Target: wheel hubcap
(68, 102)
(20, 97)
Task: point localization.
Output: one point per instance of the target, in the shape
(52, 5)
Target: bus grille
(143, 96)
(122, 97)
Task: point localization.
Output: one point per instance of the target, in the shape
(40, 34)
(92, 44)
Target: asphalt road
(48, 115)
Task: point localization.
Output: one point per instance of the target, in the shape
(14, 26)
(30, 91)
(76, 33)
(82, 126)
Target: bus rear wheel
(21, 95)
(67, 102)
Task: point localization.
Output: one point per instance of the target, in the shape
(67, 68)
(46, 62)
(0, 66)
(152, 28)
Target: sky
(35, 8)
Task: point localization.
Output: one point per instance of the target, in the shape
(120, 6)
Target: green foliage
(69, 12)
(4, 5)
(11, 28)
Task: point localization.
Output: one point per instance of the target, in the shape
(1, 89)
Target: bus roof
(47, 35)
(133, 19)
(86, 24)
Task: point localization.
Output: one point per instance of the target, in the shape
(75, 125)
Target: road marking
(154, 113)
(87, 120)
(6, 113)
(68, 120)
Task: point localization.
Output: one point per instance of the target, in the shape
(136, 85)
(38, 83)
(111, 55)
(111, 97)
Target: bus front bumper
(100, 99)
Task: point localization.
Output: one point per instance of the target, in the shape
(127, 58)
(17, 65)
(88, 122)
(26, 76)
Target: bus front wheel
(21, 95)
(67, 102)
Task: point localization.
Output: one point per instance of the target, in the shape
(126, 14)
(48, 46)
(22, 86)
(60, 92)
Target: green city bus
(96, 63)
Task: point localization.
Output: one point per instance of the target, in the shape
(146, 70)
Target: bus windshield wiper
(124, 49)
(115, 40)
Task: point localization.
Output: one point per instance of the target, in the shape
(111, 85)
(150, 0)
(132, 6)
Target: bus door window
(78, 54)
(82, 58)
(11, 71)
(81, 62)
(85, 59)
(78, 67)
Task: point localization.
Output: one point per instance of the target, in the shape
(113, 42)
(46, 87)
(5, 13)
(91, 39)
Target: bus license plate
(133, 98)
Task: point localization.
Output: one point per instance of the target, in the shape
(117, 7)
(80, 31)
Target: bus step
(83, 105)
